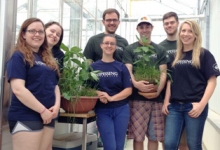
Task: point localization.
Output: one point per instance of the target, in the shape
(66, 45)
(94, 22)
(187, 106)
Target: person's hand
(196, 110)
(54, 111)
(46, 116)
(165, 108)
(144, 86)
(104, 96)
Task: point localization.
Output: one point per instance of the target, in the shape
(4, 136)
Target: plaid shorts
(146, 119)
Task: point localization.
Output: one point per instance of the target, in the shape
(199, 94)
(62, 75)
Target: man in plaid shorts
(146, 115)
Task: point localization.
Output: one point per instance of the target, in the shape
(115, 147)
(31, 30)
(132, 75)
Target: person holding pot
(113, 89)
(146, 115)
(33, 75)
(194, 72)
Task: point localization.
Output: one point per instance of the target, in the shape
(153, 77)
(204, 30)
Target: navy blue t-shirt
(40, 80)
(189, 83)
(113, 78)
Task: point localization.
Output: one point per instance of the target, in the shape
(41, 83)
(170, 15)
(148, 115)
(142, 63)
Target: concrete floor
(129, 145)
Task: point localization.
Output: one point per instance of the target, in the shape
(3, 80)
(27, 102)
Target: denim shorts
(28, 126)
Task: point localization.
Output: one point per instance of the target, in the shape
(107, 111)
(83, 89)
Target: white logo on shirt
(172, 51)
(40, 63)
(180, 62)
(215, 67)
(108, 74)
(119, 48)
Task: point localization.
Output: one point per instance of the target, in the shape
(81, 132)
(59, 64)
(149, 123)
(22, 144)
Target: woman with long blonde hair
(33, 74)
(194, 72)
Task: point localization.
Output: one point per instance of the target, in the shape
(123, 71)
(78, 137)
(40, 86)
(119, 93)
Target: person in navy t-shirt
(113, 89)
(54, 35)
(33, 74)
(194, 72)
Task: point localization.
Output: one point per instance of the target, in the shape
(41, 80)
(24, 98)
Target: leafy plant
(77, 75)
(144, 68)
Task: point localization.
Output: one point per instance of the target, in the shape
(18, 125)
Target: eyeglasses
(111, 20)
(171, 23)
(107, 44)
(40, 32)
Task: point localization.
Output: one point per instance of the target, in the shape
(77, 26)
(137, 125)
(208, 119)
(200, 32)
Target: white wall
(211, 135)
(215, 48)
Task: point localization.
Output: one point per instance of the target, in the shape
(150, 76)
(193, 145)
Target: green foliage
(77, 75)
(144, 69)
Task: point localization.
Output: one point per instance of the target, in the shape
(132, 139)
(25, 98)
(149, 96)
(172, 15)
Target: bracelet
(43, 111)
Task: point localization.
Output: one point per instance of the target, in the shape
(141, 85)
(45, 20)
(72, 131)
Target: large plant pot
(147, 94)
(81, 104)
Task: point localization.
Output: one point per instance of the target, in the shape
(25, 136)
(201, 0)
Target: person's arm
(28, 99)
(163, 77)
(199, 107)
(117, 97)
(167, 98)
(55, 109)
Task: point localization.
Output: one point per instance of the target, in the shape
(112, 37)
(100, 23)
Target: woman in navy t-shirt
(54, 35)
(114, 87)
(194, 72)
(33, 75)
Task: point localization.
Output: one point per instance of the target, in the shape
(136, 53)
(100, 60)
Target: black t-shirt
(189, 83)
(58, 55)
(93, 50)
(170, 47)
(129, 57)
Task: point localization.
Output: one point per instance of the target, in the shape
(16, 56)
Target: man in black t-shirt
(111, 21)
(170, 24)
(146, 113)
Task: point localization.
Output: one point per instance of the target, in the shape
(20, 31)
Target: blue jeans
(177, 119)
(112, 125)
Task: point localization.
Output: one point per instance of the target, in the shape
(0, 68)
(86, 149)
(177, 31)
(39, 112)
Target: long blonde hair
(197, 46)
(23, 47)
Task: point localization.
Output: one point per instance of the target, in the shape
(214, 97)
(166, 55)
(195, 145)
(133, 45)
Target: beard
(110, 31)
(171, 33)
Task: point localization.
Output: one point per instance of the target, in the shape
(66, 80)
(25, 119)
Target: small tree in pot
(147, 66)
(144, 68)
(76, 82)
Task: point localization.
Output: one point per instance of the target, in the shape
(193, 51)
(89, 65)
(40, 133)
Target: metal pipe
(30, 9)
(80, 26)
(8, 13)
(61, 12)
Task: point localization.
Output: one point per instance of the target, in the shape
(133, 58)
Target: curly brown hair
(26, 50)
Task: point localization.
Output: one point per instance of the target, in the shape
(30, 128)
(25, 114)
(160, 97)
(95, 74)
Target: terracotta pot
(82, 104)
(148, 94)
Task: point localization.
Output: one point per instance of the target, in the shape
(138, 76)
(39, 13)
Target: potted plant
(145, 68)
(78, 93)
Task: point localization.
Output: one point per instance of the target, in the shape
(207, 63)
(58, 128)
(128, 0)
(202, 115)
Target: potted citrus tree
(76, 82)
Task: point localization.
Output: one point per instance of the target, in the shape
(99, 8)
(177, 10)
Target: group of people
(183, 97)
(34, 67)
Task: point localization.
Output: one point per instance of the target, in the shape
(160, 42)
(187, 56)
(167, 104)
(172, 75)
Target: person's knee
(170, 144)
